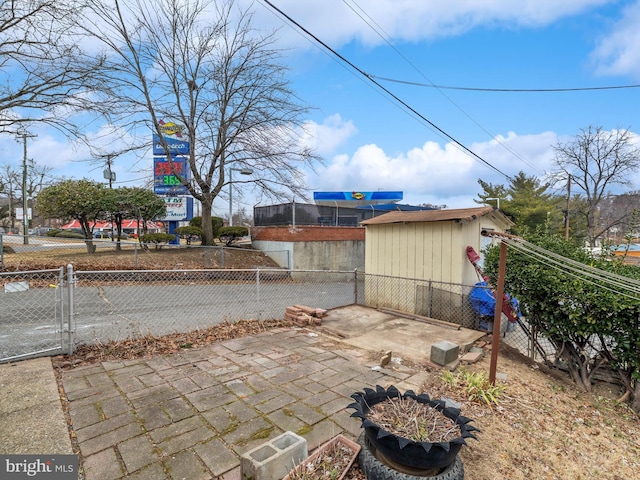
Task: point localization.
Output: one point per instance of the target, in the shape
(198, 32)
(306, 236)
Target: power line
(385, 37)
(387, 91)
(612, 282)
(503, 90)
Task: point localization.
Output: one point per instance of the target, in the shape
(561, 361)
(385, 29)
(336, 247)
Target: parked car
(41, 231)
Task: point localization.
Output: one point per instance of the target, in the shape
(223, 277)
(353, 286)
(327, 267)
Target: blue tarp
(484, 302)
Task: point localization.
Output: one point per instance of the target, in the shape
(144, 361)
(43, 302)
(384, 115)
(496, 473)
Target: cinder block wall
(314, 247)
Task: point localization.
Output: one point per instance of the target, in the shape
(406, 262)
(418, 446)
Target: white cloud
(436, 174)
(411, 20)
(325, 138)
(618, 53)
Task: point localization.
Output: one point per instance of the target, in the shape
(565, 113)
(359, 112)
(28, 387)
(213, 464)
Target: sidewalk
(193, 414)
(31, 417)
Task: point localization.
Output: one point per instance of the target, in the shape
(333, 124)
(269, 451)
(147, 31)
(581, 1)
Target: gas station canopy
(355, 198)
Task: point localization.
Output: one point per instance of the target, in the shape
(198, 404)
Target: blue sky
(369, 142)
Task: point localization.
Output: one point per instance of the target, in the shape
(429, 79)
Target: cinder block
(472, 357)
(444, 352)
(274, 459)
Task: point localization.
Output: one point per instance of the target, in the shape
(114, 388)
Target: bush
(216, 224)
(591, 321)
(157, 238)
(68, 234)
(229, 234)
(189, 233)
(53, 232)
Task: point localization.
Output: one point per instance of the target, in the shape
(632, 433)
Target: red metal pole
(495, 342)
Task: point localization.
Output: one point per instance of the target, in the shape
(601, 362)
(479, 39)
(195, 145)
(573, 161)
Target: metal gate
(33, 318)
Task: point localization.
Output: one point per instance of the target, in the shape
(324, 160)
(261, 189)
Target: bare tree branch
(595, 160)
(200, 64)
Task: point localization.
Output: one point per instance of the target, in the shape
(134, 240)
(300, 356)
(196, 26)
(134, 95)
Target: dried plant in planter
(420, 422)
(330, 461)
(411, 430)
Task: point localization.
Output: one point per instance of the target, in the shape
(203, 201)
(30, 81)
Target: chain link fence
(17, 252)
(448, 302)
(32, 316)
(48, 312)
(115, 305)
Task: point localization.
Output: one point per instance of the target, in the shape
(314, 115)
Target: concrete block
(444, 352)
(472, 357)
(274, 459)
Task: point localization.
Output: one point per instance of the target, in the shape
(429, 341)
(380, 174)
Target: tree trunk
(207, 230)
(635, 403)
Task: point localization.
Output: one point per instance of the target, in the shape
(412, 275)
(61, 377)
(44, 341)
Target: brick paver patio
(192, 415)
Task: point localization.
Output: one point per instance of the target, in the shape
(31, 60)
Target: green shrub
(53, 232)
(229, 234)
(157, 238)
(189, 233)
(474, 385)
(216, 224)
(68, 234)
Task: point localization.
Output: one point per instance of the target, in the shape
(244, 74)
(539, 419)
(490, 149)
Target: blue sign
(176, 146)
(356, 198)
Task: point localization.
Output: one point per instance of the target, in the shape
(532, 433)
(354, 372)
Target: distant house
(429, 245)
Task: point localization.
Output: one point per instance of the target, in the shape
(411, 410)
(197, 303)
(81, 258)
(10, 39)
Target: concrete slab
(367, 328)
(353, 320)
(31, 416)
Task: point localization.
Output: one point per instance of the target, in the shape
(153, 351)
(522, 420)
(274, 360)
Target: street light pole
(243, 171)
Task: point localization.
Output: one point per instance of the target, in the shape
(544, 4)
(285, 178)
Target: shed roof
(458, 214)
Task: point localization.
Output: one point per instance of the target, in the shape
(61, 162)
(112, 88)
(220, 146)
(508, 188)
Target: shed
(429, 245)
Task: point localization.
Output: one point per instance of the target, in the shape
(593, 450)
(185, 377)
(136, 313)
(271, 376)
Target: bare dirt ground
(130, 258)
(542, 428)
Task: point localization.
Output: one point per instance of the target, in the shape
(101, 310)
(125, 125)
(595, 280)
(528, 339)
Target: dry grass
(129, 258)
(545, 428)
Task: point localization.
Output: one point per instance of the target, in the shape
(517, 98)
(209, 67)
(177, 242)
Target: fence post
(60, 301)
(135, 253)
(221, 257)
(258, 293)
(70, 287)
(2, 250)
(355, 286)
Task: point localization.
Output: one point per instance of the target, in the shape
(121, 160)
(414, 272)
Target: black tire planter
(404, 451)
(375, 469)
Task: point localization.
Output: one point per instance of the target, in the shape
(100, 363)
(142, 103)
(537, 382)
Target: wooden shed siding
(430, 250)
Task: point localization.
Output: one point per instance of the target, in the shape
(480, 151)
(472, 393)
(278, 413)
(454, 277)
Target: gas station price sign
(165, 175)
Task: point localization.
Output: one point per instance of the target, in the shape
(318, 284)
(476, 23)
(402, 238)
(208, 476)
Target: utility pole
(25, 203)
(566, 213)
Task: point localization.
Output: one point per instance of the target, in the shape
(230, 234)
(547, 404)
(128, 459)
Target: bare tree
(10, 178)
(38, 177)
(199, 64)
(40, 64)
(594, 161)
